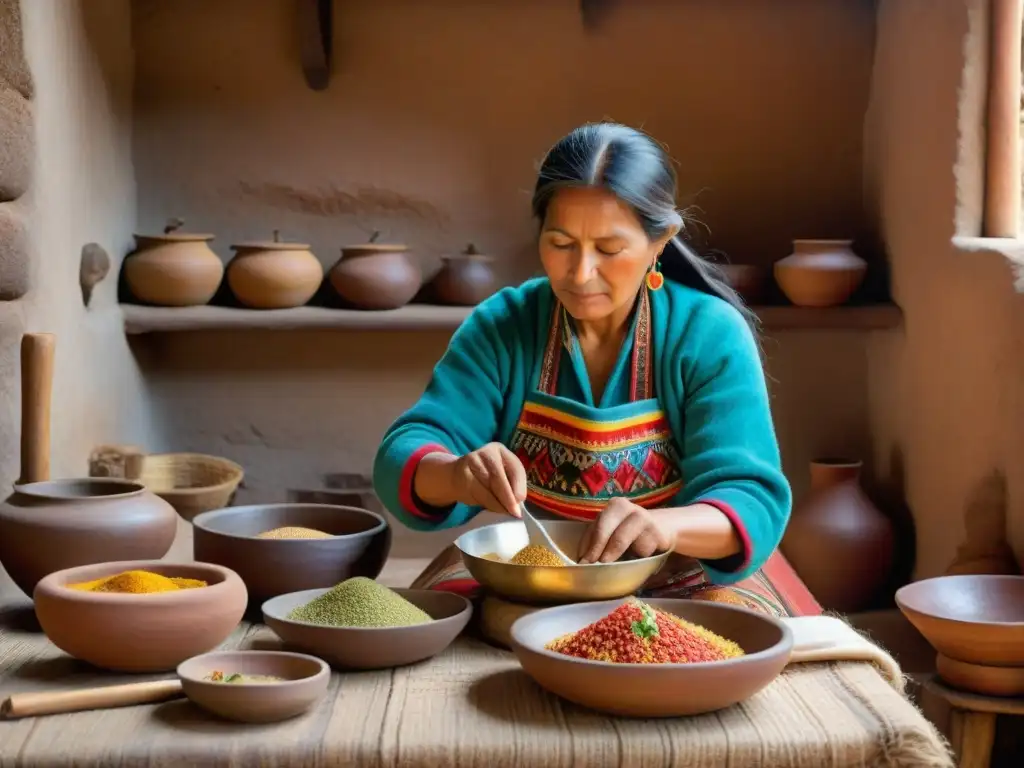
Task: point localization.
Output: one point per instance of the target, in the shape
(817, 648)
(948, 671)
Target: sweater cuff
(406, 491)
(741, 560)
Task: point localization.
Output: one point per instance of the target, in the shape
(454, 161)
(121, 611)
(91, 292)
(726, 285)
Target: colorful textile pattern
(578, 458)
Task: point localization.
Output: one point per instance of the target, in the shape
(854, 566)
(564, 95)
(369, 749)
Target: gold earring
(655, 280)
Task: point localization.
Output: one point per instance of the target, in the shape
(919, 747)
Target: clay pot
(838, 542)
(274, 275)
(465, 279)
(376, 276)
(820, 273)
(175, 269)
(48, 525)
(748, 280)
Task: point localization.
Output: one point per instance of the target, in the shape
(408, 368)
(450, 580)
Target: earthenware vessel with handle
(49, 525)
(840, 544)
(174, 269)
(820, 273)
(275, 274)
(465, 279)
(376, 275)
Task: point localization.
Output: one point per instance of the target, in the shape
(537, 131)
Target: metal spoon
(540, 537)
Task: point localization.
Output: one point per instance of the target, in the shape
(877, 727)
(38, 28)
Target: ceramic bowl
(547, 584)
(974, 618)
(981, 679)
(269, 567)
(140, 633)
(654, 690)
(305, 682)
(377, 648)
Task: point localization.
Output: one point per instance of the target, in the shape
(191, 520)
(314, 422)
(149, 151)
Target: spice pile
(294, 532)
(636, 633)
(360, 602)
(137, 583)
(237, 678)
(531, 554)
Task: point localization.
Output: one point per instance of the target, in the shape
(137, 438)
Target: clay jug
(49, 525)
(839, 543)
(820, 273)
(175, 269)
(274, 275)
(376, 275)
(465, 279)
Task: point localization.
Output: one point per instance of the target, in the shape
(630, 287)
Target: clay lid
(372, 246)
(471, 253)
(172, 234)
(277, 244)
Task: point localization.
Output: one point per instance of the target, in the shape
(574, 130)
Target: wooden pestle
(36, 395)
(107, 697)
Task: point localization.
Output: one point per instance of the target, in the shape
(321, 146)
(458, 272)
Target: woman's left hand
(620, 526)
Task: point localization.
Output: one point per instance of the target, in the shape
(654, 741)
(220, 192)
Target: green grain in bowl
(360, 602)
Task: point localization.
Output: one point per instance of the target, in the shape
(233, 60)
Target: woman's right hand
(491, 477)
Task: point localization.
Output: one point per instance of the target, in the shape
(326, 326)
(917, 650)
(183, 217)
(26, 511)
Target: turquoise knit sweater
(708, 380)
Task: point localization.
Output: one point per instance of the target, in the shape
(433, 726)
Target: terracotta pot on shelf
(376, 275)
(840, 545)
(174, 269)
(820, 273)
(748, 280)
(274, 275)
(49, 525)
(465, 279)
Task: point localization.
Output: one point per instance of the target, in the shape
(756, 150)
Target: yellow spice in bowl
(533, 554)
(294, 532)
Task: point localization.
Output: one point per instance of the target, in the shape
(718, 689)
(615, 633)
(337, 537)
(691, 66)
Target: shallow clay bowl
(376, 648)
(549, 584)
(359, 546)
(977, 619)
(978, 678)
(140, 633)
(654, 690)
(305, 682)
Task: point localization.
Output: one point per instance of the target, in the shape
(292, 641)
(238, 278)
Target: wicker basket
(191, 482)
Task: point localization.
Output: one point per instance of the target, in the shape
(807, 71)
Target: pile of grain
(534, 554)
(294, 532)
(360, 602)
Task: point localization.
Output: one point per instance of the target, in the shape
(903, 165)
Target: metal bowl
(547, 584)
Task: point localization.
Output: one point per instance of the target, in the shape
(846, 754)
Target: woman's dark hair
(632, 166)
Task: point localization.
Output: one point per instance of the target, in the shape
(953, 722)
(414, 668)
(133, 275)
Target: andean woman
(624, 388)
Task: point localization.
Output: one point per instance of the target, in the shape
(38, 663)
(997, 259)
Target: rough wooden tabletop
(469, 707)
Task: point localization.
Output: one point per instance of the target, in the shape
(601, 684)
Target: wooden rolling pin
(36, 396)
(107, 697)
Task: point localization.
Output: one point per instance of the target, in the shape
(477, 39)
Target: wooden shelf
(425, 317)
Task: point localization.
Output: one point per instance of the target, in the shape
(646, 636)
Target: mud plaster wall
(79, 52)
(946, 393)
(430, 131)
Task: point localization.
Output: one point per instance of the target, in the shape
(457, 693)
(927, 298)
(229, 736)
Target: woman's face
(595, 253)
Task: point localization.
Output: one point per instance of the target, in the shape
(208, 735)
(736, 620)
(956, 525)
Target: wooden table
(471, 706)
(973, 721)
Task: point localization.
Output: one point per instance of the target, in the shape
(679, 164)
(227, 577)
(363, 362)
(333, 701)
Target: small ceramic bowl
(375, 648)
(654, 690)
(140, 633)
(359, 546)
(305, 682)
(974, 618)
(548, 584)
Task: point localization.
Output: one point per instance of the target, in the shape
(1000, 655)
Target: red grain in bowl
(636, 633)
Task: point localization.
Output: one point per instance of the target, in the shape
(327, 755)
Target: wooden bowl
(981, 679)
(306, 681)
(654, 690)
(548, 584)
(974, 618)
(373, 648)
(192, 483)
(139, 633)
(359, 546)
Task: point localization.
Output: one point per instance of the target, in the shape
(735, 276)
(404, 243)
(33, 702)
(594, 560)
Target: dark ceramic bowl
(359, 546)
(305, 681)
(654, 690)
(143, 632)
(977, 619)
(377, 647)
